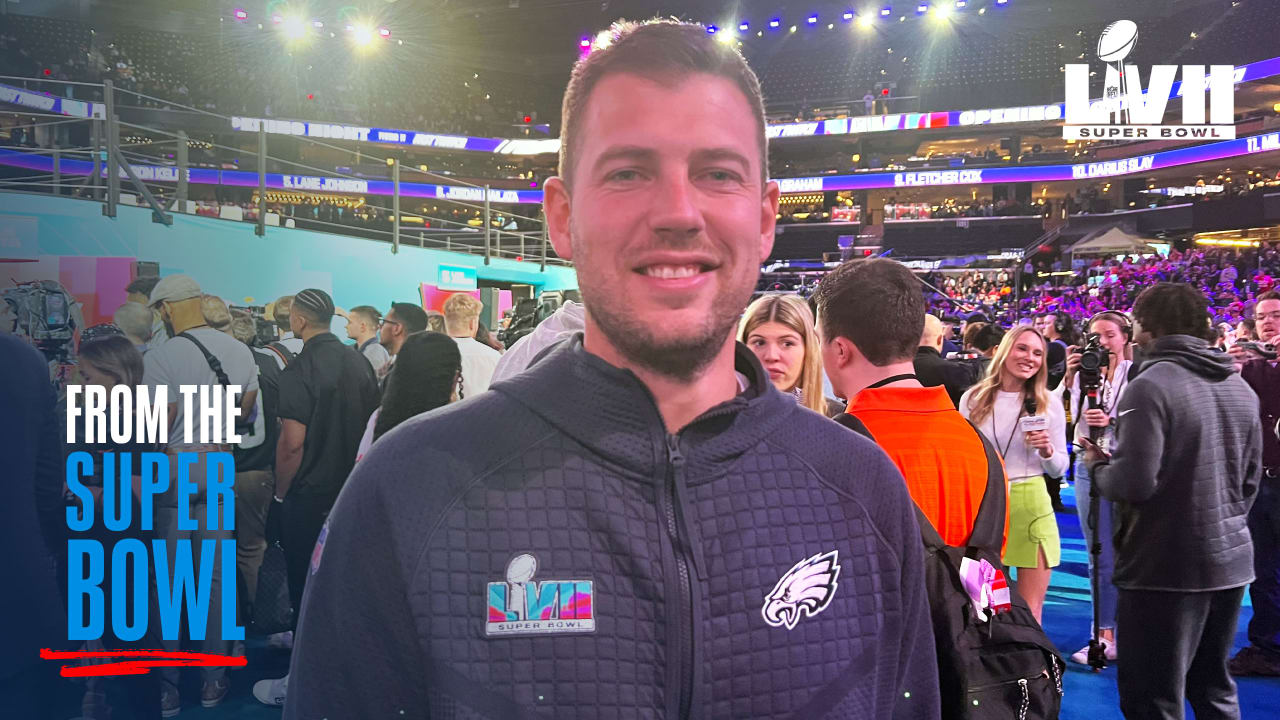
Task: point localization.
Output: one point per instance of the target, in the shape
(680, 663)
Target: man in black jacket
(933, 370)
(1186, 468)
(640, 524)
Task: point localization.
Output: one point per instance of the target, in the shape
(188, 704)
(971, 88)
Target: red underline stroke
(144, 662)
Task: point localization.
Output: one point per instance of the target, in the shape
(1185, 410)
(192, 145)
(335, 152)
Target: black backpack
(278, 349)
(263, 457)
(1000, 668)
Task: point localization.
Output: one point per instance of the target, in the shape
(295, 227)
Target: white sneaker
(281, 640)
(271, 692)
(1081, 656)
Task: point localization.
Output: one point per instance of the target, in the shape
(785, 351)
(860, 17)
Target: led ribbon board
(50, 103)
(862, 181)
(835, 126)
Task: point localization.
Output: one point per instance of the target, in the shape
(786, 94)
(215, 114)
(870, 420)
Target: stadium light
(362, 36)
(277, 18)
(922, 8)
(941, 12)
(240, 14)
(865, 22)
(960, 4)
(384, 33)
(584, 43)
(711, 29)
(1002, 2)
(813, 20)
(886, 11)
(847, 16)
(744, 26)
(727, 37)
(294, 28)
(775, 22)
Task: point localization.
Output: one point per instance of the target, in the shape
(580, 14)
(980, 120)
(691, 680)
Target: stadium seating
(941, 238)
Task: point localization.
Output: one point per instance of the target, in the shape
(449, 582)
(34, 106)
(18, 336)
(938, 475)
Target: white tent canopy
(1111, 241)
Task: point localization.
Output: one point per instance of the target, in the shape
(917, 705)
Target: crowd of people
(1231, 278)
(161, 68)
(311, 406)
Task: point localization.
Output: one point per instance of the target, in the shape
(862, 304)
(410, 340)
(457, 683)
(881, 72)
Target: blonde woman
(1016, 386)
(779, 330)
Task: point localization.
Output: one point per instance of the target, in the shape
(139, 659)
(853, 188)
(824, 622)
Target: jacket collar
(612, 413)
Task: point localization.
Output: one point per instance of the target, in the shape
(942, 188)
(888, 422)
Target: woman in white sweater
(1016, 386)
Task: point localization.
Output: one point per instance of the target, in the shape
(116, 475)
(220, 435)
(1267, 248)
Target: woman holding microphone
(1112, 330)
(1012, 407)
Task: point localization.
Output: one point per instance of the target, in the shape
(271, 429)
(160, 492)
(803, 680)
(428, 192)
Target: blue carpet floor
(1088, 695)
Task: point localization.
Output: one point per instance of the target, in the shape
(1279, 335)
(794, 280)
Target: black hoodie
(1186, 468)
(547, 549)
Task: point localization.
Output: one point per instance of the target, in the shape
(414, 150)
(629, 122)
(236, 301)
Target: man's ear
(846, 352)
(556, 210)
(768, 218)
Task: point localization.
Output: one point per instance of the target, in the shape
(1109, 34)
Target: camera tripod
(1097, 647)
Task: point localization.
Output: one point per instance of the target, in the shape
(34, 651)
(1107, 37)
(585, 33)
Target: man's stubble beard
(680, 359)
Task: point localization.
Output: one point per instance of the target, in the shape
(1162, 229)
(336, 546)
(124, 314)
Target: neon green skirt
(1032, 526)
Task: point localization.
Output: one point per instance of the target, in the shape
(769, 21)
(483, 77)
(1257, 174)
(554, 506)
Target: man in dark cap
(326, 397)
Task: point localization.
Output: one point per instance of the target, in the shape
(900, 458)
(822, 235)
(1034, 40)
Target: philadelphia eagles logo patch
(807, 588)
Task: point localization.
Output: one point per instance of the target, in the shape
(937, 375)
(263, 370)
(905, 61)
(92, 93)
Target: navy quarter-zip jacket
(548, 550)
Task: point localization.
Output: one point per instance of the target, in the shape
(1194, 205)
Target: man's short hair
(460, 309)
(368, 313)
(435, 321)
(1173, 309)
(136, 320)
(988, 337)
(281, 310)
(933, 329)
(411, 317)
(655, 49)
(243, 327)
(877, 305)
(142, 286)
(215, 312)
(971, 331)
(1268, 295)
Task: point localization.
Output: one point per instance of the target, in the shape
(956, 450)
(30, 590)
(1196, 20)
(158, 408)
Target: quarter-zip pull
(682, 504)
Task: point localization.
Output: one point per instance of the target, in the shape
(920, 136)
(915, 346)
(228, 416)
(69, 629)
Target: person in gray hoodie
(1186, 468)
(568, 320)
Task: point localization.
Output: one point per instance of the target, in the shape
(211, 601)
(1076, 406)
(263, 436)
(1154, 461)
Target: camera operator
(1188, 458)
(1097, 376)
(1262, 656)
(933, 368)
(1056, 327)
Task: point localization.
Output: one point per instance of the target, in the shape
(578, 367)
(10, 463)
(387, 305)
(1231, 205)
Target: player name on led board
(452, 277)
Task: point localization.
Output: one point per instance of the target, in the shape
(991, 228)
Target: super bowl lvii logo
(523, 606)
(1126, 111)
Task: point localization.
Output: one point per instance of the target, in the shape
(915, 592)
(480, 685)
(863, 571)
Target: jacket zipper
(684, 655)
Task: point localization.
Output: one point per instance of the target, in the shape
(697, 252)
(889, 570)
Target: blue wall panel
(230, 261)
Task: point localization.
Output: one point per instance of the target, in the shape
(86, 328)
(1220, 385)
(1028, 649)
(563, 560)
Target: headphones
(1119, 318)
(1061, 322)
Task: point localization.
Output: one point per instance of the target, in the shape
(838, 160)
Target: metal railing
(94, 170)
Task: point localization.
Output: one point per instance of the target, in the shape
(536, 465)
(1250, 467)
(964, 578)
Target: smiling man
(640, 521)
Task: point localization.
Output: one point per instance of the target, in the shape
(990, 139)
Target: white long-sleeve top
(1109, 395)
(1020, 459)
